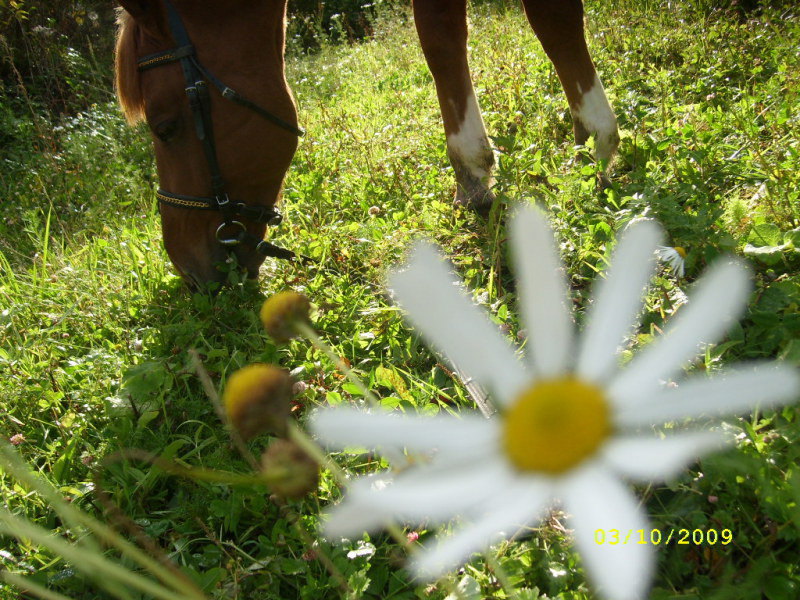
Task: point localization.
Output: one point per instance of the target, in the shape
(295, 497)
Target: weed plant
(95, 327)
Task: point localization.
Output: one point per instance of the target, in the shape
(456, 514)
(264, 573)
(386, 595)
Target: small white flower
(674, 257)
(571, 424)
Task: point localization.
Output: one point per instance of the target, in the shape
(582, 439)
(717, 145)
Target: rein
(232, 231)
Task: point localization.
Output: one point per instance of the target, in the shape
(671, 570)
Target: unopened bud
(280, 311)
(257, 400)
(290, 471)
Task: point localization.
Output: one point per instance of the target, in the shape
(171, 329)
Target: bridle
(232, 231)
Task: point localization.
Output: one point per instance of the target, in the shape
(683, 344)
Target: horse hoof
(478, 199)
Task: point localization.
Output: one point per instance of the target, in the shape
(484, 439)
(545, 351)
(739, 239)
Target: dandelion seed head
(291, 472)
(280, 312)
(257, 400)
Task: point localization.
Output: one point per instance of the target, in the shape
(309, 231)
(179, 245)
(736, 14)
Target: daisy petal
(739, 390)
(646, 459)
(451, 322)
(716, 300)
(511, 508)
(673, 258)
(596, 499)
(348, 519)
(415, 496)
(543, 299)
(344, 426)
(618, 301)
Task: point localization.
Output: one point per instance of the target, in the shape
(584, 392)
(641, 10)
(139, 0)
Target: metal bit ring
(230, 241)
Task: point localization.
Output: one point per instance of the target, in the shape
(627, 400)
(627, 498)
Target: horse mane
(127, 82)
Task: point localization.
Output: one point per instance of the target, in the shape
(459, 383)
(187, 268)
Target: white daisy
(675, 257)
(571, 424)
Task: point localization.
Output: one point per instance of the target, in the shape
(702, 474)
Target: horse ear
(138, 9)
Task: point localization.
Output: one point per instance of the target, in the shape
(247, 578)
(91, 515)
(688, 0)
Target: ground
(95, 328)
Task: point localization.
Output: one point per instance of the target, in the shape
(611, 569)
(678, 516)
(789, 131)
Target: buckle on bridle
(231, 241)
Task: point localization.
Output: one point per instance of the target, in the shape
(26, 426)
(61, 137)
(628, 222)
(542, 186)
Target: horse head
(222, 149)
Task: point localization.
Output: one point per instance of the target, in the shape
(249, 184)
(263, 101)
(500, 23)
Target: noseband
(232, 231)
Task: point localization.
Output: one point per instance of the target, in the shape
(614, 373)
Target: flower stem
(212, 394)
(322, 557)
(313, 449)
(194, 473)
(310, 447)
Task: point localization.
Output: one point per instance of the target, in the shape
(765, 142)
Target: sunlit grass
(95, 328)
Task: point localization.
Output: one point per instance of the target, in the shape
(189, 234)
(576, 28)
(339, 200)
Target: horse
(208, 78)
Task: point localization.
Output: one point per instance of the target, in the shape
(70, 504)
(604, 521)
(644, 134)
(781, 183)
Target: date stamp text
(658, 537)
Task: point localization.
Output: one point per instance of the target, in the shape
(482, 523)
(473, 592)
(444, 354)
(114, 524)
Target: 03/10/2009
(657, 537)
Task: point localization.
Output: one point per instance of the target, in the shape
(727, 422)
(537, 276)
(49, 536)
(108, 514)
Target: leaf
(208, 578)
(333, 398)
(352, 389)
(720, 349)
(765, 234)
(146, 418)
(779, 296)
(292, 566)
(792, 237)
(388, 377)
(769, 255)
(467, 589)
(172, 449)
(791, 352)
(363, 549)
(146, 379)
(68, 420)
(779, 587)
(61, 468)
(765, 318)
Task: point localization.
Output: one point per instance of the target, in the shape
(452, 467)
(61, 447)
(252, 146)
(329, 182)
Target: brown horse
(213, 154)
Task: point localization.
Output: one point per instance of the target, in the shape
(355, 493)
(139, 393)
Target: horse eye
(166, 130)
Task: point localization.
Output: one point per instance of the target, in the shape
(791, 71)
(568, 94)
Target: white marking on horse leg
(471, 156)
(594, 115)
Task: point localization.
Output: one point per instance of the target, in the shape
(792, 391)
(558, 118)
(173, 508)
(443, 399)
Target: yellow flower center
(555, 424)
(680, 250)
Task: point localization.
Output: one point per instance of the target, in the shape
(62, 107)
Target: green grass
(95, 328)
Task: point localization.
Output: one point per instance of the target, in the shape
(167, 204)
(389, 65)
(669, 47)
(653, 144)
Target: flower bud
(280, 311)
(257, 400)
(290, 471)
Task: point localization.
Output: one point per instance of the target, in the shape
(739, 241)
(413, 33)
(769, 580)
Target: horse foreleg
(559, 27)
(442, 29)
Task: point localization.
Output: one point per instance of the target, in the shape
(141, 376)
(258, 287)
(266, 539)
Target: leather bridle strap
(169, 56)
(185, 53)
(197, 79)
(258, 214)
